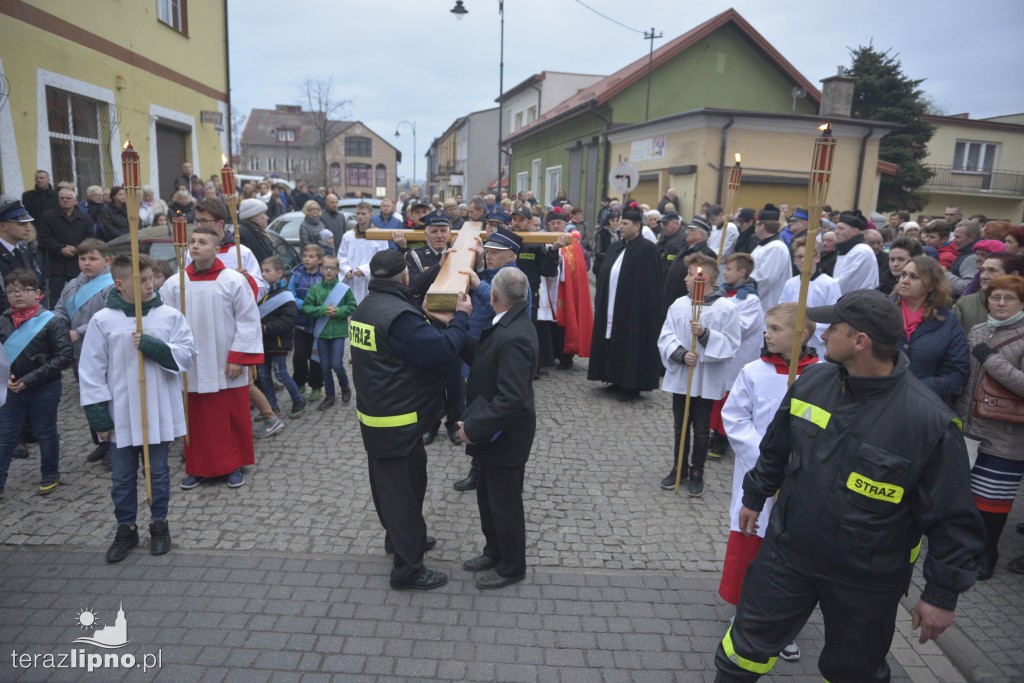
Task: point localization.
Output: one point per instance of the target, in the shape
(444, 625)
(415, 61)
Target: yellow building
(978, 164)
(692, 152)
(82, 77)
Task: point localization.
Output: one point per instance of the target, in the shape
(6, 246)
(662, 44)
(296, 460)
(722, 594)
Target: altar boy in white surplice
(222, 312)
(108, 376)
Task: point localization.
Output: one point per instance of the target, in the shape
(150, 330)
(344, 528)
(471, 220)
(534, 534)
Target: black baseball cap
(866, 310)
(387, 263)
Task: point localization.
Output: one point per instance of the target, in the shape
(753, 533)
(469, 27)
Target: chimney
(288, 108)
(837, 95)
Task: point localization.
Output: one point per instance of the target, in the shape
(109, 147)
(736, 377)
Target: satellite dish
(798, 93)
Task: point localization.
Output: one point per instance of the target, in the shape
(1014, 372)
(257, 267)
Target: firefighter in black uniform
(671, 242)
(397, 356)
(859, 483)
(424, 266)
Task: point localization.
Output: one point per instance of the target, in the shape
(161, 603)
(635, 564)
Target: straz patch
(362, 336)
(890, 493)
(527, 256)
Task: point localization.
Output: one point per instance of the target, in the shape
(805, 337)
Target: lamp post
(411, 124)
(460, 11)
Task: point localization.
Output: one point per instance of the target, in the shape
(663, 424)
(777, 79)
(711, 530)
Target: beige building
(978, 164)
(693, 153)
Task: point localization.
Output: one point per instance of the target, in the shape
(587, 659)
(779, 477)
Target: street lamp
(459, 11)
(411, 124)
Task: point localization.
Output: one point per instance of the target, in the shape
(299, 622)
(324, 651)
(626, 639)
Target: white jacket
(772, 267)
(711, 374)
(857, 270)
(823, 291)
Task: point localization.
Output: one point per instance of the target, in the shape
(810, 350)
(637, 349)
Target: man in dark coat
(628, 313)
(696, 243)
(40, 198)
(671, 242)
(748, 240)
(499, 426)
(59, 234)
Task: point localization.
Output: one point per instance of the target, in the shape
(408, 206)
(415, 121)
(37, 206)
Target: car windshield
(287, 228)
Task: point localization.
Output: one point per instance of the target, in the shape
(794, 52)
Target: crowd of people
(922, 323)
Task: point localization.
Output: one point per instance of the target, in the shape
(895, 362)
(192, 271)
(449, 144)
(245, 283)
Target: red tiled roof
(607, 88)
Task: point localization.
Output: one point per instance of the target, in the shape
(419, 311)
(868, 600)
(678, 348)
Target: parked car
(240, 179)
(287, 224)
(158, 242)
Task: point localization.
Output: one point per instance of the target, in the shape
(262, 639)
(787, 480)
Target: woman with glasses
(932, 337)
(997, 350)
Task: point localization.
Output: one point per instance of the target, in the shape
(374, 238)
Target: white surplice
(108, 372)
(751, 334)
(710, 375)
(772, 267)
(732, 233)
(355, 254)
(822, 291)
(228, 255)
(857, 269)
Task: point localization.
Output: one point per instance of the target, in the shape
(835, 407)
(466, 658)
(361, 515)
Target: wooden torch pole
(730, 198)
(696, 308)
(227, 181)
(817, 191)
(180, 236)
(133, 191)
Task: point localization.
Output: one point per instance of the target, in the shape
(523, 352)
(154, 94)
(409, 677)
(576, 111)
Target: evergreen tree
(884, 93)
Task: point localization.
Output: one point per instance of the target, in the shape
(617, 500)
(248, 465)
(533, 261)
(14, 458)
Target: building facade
(464, 159)
(84, 77)
(537, 95)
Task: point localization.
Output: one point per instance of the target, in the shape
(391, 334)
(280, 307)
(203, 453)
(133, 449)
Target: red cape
(575, 312)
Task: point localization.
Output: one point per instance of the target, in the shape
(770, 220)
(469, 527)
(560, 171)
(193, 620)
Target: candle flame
(825, 126)
(738, 158)
(223, 159)
(127, 144)
(700, 272)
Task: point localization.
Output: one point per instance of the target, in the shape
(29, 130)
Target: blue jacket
(483, 312)
(299, 284)
(393, 223)
(938, 354)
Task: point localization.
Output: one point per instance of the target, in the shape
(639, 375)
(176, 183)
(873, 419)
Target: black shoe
(99, 452)
(428, 438)
(429, 545)
(428, 581)
(480, 564)
(565, 365)
(1020, 527)
(628, 396)
(20, 452)
(346, 395)
(126, 538)
(695, 486)
(467, 484)
(492, 579)
(987, 567)
(159, 537)
(669, 482)
(453, 436)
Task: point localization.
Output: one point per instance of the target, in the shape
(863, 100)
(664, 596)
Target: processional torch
(817, 191)
(696, 308)
(133, 193)
(180, 236)
(730, 198)
(227, 181)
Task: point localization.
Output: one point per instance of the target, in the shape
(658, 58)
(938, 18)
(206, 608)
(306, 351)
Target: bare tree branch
(319, 100)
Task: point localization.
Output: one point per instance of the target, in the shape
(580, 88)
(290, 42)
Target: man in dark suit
(41, 198)
(498, 428)
(59, 233)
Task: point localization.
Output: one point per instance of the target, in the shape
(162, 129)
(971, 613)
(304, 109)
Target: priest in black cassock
(628, 312)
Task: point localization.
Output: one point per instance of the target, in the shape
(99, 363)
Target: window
(174, 13)
(535, 180)
(381, 179)
(519, 121)
(552, 182)
(522, 182)
(271, 164)
(254, 163)
(358, 147)
(285, 135)
(974, 156)
(358, 175)
(75, 125)
(531, 114)
(335, 174)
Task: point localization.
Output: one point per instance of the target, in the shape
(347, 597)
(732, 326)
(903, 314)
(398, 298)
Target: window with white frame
(522, 182)
(519, 121)
(271, 164)
(75, 143)
(974, 156)
(531, 114)
(535, 179)
(552, 182)
(174, 13)
(285, 135)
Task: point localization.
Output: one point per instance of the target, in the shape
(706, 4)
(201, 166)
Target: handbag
(993, 401)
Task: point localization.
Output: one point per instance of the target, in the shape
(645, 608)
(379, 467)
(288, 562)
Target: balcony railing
(953, 179)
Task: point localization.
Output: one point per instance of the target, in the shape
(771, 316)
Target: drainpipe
(860, 166)
(607, 159)
(721, 161)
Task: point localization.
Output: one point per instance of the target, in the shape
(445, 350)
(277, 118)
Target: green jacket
(313, 306)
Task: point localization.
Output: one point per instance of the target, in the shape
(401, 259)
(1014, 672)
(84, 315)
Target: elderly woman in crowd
(972, 309)
(829, 254)
(901, 251)
(312, 226)
(932, 337)
(997, 350)
(1014, 239)
(982, 250)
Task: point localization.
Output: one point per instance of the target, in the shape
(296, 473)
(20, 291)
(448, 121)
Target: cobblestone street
(286, 578)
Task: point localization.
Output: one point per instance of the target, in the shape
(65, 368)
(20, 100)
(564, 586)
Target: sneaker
(159, 537)
(316, 395)
(49, 484)
(304, 390)
(669, 482)
(235, 479)
(791, 652)
(191, 481)
(346, 394)
(269, 428)
(695, 485)
(297, 410)
(99, 452)
(718, 446)
(126, 538)
(327, 403)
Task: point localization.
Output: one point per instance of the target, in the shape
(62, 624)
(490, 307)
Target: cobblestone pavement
(596, 520)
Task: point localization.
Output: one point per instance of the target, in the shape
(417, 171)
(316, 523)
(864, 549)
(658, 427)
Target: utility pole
(651, 36)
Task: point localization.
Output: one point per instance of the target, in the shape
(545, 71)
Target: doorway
(170, 155)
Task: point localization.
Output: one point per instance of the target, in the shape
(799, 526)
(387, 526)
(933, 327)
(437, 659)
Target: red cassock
(575, 312)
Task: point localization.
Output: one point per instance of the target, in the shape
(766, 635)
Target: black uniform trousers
(304, 370)
(774, 606)
(700, 420)
(398, 486)
(454, 396)
(499, 495)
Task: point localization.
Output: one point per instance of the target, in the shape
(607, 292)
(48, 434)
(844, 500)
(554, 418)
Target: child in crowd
(331, 302)
(305, 371)
(81, 299)
(161, 271)
(38, 347)
(750, 408)
(277, 313)
(109, 386)
(718, 339)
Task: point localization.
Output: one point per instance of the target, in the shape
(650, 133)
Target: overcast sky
(411, 60)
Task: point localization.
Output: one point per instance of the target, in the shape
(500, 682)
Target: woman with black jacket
(114, 216)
